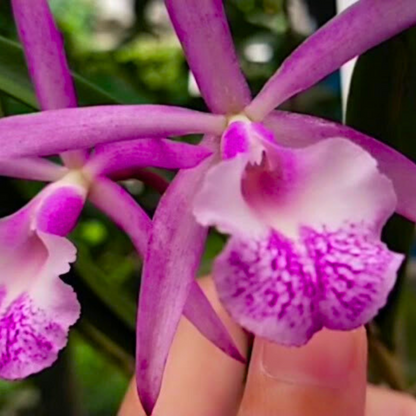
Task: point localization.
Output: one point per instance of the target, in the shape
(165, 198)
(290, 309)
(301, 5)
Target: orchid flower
(303, 200)
(36, 307)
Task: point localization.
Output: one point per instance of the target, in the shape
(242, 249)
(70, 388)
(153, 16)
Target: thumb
(325, 377)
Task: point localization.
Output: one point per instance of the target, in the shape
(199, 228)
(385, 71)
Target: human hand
(327, 377)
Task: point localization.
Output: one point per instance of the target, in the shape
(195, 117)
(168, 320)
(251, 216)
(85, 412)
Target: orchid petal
(36, 307)
(161, 153)
(296, 131)
(205, 36)
(340, 40)
(124, 211)
(56, 131)
(35, 169)
(114, 201)
(201, 314)
(45, 56)
(285, 290)
(175, 249)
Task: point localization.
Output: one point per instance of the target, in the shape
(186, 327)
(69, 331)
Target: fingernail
(327, 360)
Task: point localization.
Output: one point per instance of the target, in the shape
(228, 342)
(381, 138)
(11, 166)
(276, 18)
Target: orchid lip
(285, 243)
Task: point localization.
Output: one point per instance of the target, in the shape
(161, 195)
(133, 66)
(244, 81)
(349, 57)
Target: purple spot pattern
(29, 338)
(286, 290)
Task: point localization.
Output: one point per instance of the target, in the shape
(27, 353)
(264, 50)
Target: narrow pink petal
(203, 30)
(45, 56)
(175, 249)
(356, 30)
(296, 130)
(160, 153)
(200, 312)
(124, 211)
(35, 169)
(285, 290)
(56, 131)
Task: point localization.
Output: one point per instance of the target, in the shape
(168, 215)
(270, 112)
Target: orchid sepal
(341, 39)
(121, 208)
(56, 131)
(203, 31)
(47, 63)
(34, 169)
(161, 153)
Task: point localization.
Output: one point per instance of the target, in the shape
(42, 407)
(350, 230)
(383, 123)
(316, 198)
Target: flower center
(245, 137)
(77, 177)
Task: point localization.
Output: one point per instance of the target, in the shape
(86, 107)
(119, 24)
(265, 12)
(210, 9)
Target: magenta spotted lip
(286, 291)
(304, 224)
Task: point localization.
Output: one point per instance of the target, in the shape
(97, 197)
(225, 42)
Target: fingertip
(199, 379)
(326, 376)
(327, 360)
(131, 405)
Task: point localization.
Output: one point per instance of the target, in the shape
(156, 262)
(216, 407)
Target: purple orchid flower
(303, 199)
(36, 307)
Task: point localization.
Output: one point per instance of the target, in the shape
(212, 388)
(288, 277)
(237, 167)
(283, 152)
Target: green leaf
(15, 81)
(123, 307)
(102, 324)
(382, 104)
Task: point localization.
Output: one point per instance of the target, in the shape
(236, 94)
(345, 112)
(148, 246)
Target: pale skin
(327, 377)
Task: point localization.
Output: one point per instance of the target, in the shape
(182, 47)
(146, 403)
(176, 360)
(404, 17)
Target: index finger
(326, 377)
(200, 379)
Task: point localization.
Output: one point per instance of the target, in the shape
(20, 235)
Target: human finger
(199, 378)
(325, 377)
(381, 401)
